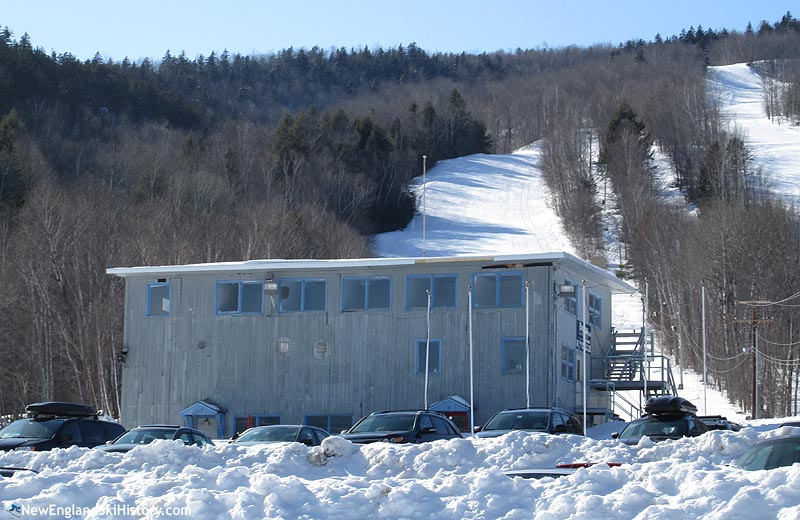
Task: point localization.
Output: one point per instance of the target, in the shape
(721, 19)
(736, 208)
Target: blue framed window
(332, 424)
(513, 355)
(498, 289)
(159, 299)
(434, 357)
(571, 302)
(595, 305)
(303, 295)
(568, 363)
(241, 423)
(240, 297)
(366, 293)
(441, 286)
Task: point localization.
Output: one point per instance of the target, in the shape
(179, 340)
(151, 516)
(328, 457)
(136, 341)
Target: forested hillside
(308, 153)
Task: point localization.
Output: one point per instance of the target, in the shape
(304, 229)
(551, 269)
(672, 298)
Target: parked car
(308, 435)
(147, 434)
(545, 420)
(667, 417)
(406, 426)
(718, 422)
(9, 471)
(560, 470)
(58, 424)
(770, 454)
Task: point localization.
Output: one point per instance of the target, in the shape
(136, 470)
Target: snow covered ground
(444, 480)
(476, 204)
(495, 204)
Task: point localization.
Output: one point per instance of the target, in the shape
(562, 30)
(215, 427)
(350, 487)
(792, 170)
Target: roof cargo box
(60, 409)
(669, 404)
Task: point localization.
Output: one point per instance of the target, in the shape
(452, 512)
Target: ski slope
(774, 144)
(495, 204)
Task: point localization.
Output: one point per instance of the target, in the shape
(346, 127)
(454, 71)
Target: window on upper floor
(240, 297)
(442, 288)
(498, 289)
(159, 298)
(366, 293)
(303, 295)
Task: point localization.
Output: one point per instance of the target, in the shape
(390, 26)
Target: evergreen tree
(13, 184)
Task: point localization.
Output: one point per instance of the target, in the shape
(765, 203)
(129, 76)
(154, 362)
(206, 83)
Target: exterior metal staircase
(631, 365)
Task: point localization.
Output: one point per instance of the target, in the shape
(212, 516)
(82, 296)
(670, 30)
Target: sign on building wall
(581, 327)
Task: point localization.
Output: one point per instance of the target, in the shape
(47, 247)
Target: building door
(207, 425)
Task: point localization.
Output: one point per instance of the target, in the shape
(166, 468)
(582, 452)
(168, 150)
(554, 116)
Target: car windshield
(30, 429)
(656, 428)
(519, 420)
(269, 434)
(385, 423)
(145, 436)
(770, 456)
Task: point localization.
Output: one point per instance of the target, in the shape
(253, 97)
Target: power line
(696, 348)
(770, 303)
(736, 367)
(792, 344)
(785, 362)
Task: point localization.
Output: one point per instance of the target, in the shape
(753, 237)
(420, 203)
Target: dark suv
(719, 422)
(407, 426)
(149, 433)
(667, 417)
(545, 420)
(57, 424)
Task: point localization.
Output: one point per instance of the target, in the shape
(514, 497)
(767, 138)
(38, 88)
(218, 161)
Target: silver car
(545, 420)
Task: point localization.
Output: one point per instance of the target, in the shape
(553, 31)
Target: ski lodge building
(222, 346)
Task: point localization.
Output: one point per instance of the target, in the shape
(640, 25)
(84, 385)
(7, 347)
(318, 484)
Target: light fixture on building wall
(283, 346)
(123, 355)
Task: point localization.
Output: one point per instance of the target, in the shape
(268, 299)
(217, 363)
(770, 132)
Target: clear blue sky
(148, 28)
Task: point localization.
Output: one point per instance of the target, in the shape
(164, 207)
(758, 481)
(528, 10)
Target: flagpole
(471, 381)
(427, 346)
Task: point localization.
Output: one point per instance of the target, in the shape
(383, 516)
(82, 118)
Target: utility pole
(705, 369)
(753, 326)
(755, 362)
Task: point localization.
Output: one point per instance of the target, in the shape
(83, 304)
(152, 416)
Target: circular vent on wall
(322, 349)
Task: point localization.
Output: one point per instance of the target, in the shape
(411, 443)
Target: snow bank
(460, 478)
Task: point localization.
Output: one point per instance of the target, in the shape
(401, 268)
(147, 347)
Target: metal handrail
(629, 360)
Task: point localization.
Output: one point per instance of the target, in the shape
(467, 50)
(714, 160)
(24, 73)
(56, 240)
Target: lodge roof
(578, 269)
